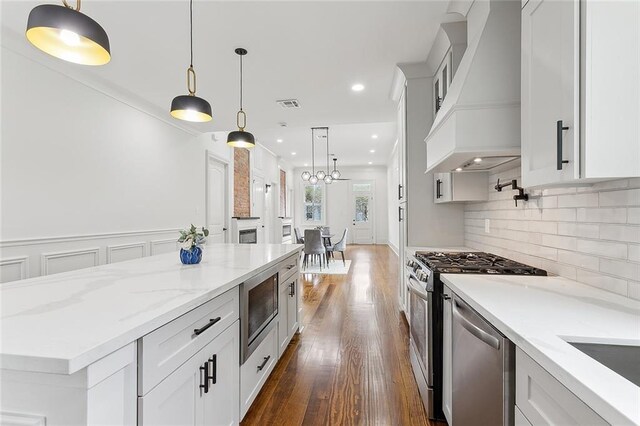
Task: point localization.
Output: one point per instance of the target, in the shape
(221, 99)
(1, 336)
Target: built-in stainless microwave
(258, 310)
(286, 230)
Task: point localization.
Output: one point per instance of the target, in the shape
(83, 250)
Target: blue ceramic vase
(191, 257)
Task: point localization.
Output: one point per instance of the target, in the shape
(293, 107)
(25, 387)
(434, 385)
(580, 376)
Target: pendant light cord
(313, 153)
(328, 169)
(241, 82)
(191, 31)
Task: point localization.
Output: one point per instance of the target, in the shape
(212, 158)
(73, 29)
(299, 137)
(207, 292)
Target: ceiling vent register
(288, 103)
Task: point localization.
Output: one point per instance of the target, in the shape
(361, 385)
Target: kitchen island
(83, 330)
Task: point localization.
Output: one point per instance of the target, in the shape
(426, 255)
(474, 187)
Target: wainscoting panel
(54, 263)
(122, 252)
(13, 269)
(169, 245)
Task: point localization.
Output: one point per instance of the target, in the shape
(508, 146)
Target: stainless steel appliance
(426, 305)
(258, 309)
(483, 370)
(248, 236)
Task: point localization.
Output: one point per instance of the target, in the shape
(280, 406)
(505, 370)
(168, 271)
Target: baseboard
(393, 248)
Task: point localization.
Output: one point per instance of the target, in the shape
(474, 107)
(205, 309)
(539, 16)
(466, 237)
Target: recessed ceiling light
(370, 162)
(372, 151)
(293, 153)
(459, 169)
(374, 136)
(357, 87)
(477, 160)
(279, 140)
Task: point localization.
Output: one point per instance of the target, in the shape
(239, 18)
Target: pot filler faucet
(514, 185)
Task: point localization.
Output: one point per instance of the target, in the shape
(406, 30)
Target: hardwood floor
(350, 365)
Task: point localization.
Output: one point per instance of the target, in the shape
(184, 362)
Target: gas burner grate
(474, 263)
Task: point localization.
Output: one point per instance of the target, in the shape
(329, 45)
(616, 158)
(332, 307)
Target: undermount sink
(623, 359)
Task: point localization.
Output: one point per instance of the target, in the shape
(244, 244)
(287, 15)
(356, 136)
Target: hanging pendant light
(190, 107)
(306, 175)
(64, 32)
(313, 179)
(335, 174)
(240, 138)
(327, 178)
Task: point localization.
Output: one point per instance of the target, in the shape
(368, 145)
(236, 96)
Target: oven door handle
(474, 329)
(415, 289)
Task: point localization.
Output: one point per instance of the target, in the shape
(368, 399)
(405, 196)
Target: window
(313, 203)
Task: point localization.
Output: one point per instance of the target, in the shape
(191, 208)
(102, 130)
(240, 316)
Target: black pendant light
(240, 138)
(64, 32)
(190, 107)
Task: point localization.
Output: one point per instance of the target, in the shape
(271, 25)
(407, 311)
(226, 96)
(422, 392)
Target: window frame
(323, 204)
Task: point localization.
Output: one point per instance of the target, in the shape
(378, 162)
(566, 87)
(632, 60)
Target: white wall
(338, 209)
(88, 179)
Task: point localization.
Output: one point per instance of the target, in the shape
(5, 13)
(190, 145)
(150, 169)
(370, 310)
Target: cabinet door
(447, 388)
(442, 190)
(550, 91)
(402, 147)
(221, 403)
(283, 319)
(292, 309)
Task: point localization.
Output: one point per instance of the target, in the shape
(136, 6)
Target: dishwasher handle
(474, 329)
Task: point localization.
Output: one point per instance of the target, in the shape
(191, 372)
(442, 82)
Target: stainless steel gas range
(426, 311)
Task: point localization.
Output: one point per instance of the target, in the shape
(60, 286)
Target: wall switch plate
(487, 226)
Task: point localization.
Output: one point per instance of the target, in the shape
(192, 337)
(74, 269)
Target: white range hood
(480, 116)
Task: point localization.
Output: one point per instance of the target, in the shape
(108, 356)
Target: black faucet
(514, 185)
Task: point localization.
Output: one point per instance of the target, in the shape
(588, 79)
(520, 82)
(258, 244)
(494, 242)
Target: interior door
(217, 199)
(550, 91)
(362, 209)
(257, 205)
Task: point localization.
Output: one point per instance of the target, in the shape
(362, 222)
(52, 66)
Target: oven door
(258, 310)
(420, 312)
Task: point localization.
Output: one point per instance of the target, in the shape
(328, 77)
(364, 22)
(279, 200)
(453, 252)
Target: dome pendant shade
(68, 34)
(241, 139)
(191, 108)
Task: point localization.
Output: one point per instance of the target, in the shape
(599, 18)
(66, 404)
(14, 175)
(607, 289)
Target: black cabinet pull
(446, 297)
(205, 374)
(292, 289)
(199, 331)
(214, 372)
(400, 218)
(399, 192)
(559, 129)
(266, 360)
(438, 183)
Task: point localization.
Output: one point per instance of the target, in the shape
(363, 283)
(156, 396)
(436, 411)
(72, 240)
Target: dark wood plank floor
(350, 365)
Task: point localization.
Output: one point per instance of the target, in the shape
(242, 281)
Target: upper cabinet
(580, 91)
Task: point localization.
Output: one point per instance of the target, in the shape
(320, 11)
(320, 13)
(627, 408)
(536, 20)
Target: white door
(217, 199)
(550, 91)
(257, 205)
(362, 229)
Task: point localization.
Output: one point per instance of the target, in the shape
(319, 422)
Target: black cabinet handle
(292, 289)
(214, 372)
(438, 183)
(266, 360)
(291, 267)
(399, 192)
(446, 297)
(224, 229)
(205, 374)
(400, 218)
(559, 129)
(199, 331)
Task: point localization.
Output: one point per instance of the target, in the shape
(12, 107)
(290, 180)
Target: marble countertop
(539, 315)
(61, 323)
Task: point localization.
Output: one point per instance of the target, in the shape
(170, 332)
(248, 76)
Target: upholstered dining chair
(299, 238)
(313, 247)
(340, 246)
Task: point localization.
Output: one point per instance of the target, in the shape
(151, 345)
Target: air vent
(289, 103)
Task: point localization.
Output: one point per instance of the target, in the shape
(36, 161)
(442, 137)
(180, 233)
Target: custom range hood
(478, 124)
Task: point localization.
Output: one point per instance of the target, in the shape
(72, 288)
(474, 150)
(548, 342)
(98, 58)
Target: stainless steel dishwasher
(483, 370)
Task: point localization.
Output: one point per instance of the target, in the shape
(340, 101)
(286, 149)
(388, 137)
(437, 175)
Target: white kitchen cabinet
(441, 82)
(579, 106)
(402, 146)
(464, 186)
(256, 369)
(202, 391)
(287, 313)
(543, 400)
(447, 356)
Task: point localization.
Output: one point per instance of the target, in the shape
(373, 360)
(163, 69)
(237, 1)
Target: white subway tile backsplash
(629, 197)
(587, 233)
(628, 233)
(610, 215)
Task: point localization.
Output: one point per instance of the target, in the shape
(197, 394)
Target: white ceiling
(309, 50)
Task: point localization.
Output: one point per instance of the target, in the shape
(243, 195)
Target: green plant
(192, 237)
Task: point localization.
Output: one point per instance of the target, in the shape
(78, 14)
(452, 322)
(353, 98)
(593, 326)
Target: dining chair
(340, 246)
(299, 238)
(313, 247)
